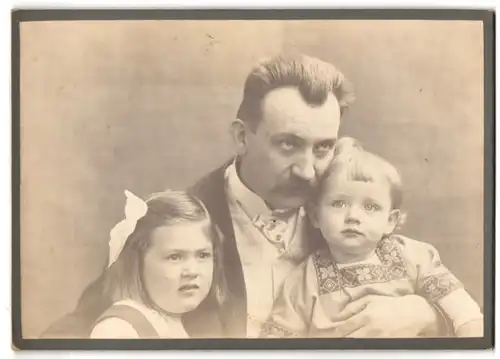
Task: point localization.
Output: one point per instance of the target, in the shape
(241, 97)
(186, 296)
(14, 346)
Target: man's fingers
(351, 309)
(352, 324)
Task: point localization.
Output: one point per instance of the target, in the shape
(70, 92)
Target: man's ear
(394, 217)
(312, 214)
(239, 134)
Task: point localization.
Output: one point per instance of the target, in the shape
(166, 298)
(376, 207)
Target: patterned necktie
(273, 226)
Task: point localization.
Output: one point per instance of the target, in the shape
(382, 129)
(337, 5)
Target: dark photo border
(486, 16)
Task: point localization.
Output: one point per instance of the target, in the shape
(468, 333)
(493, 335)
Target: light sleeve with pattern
(436, 283)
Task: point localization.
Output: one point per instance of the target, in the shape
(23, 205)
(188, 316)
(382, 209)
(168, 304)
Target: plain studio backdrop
(146, 105)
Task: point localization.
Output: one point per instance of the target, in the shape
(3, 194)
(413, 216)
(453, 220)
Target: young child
(357, 208)
(161, 266)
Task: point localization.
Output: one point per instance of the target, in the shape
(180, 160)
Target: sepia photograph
(252, 181)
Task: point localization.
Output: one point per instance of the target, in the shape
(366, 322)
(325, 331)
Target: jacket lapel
(211, 191)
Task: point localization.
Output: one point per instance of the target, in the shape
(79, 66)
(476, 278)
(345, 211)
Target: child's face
(178, 266)
(354, 215)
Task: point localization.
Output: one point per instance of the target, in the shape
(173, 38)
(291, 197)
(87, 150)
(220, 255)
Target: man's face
(290, 148)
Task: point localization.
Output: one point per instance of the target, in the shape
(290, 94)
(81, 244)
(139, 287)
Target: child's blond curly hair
(354, 163)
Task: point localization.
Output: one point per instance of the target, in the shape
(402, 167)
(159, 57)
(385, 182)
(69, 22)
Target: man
(285, 132)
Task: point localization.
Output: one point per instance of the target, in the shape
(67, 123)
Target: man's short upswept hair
(314, 78)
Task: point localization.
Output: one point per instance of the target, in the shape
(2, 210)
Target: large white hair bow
(135, 209)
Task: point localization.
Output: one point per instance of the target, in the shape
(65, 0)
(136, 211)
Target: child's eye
(173, 257)
(372, 207)
(338, 204)
(205, 255)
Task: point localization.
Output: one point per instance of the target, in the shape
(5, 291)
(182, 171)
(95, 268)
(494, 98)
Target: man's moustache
(297, 187)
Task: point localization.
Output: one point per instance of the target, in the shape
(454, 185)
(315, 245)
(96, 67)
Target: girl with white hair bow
(162, 265)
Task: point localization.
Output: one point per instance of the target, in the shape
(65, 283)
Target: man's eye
(338, 204)
(372, 207)
(288, 145)
(324, 147)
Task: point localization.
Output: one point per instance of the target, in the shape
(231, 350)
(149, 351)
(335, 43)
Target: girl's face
(178, 266)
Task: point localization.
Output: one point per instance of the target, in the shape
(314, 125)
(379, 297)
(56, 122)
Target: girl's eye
(173, 257)
(372, 207)
(205, 255)
(338, 204)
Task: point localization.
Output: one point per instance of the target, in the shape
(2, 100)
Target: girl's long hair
(123, 279)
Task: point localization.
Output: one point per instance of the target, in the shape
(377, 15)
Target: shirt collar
(249, 201)
(251, 204)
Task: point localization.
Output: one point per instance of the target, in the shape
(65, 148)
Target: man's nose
(304, 167)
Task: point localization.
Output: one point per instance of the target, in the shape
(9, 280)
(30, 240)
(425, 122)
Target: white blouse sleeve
(461, 308)
(437, 284)
(114, 328)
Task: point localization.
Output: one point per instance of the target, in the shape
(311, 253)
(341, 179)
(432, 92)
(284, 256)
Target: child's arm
(292, 309)
(474, 328)
(464, 312)
(439, 286)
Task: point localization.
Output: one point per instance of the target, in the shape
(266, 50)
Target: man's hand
(386, 317)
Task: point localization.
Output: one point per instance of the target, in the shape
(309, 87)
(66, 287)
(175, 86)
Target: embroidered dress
(317, 291)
